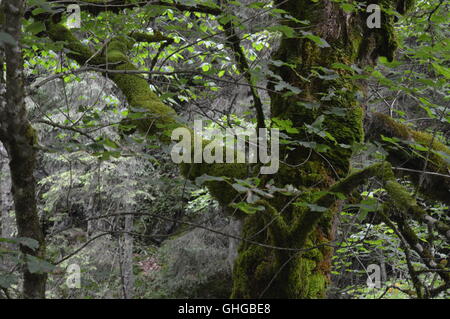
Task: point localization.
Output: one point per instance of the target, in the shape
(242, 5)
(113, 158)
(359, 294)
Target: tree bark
(126, 246)
(6, 202)
(20, 141)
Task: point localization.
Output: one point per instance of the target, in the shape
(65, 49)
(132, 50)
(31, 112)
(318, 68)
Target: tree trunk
(20, 141)
(126, 247)
(6, 202)
(270, 273)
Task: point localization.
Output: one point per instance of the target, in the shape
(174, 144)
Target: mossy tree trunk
(262, 272)
(19, 139)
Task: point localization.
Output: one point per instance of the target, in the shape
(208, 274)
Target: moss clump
(400, 195)
(314, 283)
(298, 274)
(32, 135)
(410, 157)
(142, 99)
(135, 87)
(117, 49)
(255, 265)
(427, 139)
(221, 190)
(77, 50)
(382, 124)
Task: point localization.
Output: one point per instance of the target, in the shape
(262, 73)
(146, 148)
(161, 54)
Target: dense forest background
(92, 205)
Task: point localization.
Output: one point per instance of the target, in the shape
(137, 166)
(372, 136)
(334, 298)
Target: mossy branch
(156, 116)
(96, 7)
(275, 224)
(409, 208)
(135, 87)
(435, 186)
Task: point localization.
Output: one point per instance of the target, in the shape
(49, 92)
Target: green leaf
(312, 207)
(6, 280)
(205, 67)
(6, 38)
(38, 266)
(288, 32)
(110, 143)
(207, 178)
(342, 66)
(347, 7)
(442, 70)
(36, 27)
(317, 40)
(240, 188)
(285, 125)
(25, 241)
(247, 208)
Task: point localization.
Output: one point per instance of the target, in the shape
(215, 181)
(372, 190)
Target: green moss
(347, 131)
(312, 173)
(134, 86)
(306, 276)
(221, 190)
(117, 49)
(427, 139)
(32, 135)
(77, 50)
(313, 283)
(141, 98)
(255, 265)
(437, 163)
(408, 156)
(399, 195)
(383, 124)
(355, 42)
(297, 275)
(407, 5)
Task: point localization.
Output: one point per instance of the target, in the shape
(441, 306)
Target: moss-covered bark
(415, 151)
(261, 272)
(114, 57)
